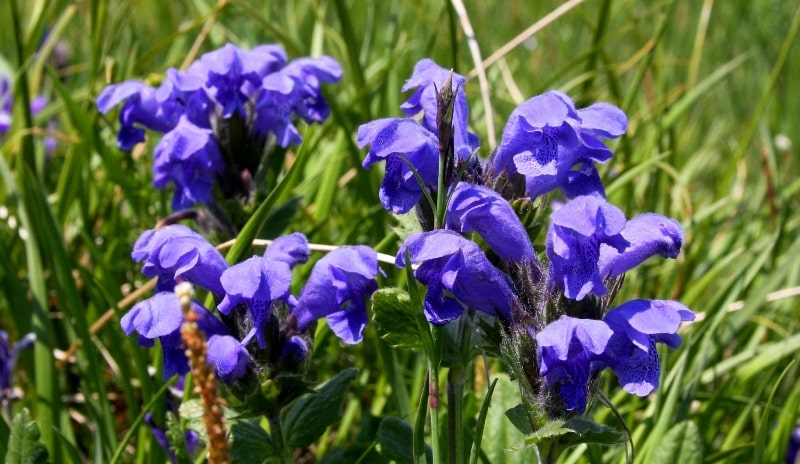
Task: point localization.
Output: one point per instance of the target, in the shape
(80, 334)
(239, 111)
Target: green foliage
(558, 435)
(395, 318)
(502, 442)
(24, 446)
(250, 443)
(393, 436)
(681, 444)
(307, 418)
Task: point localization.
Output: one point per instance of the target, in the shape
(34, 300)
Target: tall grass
(710, 89)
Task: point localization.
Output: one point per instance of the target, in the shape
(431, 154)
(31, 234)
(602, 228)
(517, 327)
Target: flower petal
(477, 208)
(649, 234)
(339, 282)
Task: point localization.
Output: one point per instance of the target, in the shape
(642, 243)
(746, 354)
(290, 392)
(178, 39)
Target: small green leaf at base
(23, 443)
(558, 435)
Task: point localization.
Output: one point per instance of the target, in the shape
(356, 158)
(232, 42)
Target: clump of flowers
(261, 333)
(262, 328)
(220, 115)
(554, 309)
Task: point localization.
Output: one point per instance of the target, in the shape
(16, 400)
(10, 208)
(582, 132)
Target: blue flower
(6, 103)
(294, 90)
(233, 76)
(336, 289)
(291, 249)
(160, 318)
(574, 238)
(569, 352)
(295, 349)
(405, 141)
(546, 136)
(141, 108)
(188, 157)
(428, 78)
(228, 356)
(8, 358)
(399, 141)
(176, 251)
(256, 283)
(589, 240)
(572, 350)
(191, 439)
(308, 75)
(450, 263)
(256, 92)
(647, 235)
(477, 208)
(260, 281)
(638, 325)
(5, 106)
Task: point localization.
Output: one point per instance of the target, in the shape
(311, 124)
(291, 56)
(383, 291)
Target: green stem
(455, 414)
(434, 361)
(433, 405)
(276, 432)
(456, 381)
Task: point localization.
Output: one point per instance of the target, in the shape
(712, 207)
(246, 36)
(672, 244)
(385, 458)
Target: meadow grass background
(711, 89)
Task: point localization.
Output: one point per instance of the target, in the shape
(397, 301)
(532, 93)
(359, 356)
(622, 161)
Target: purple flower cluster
(401, 142)
(546, 137)
(571, 350)
(547, 145)
(250, 293)
(217, 115)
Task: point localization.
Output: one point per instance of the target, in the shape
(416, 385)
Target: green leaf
(395, 318)
(250, 443)
(176, 435)
(519, 418)
(191, 411)
(395, 438)
(23, 443)
(481, 423)
(5, 432)
(681, 444)
(574, 431)
(502, 443)
(307, 418)
(280, 218)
